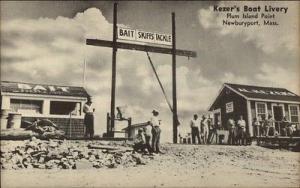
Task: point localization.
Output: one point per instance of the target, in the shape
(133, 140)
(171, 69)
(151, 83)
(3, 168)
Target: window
(261, 110)
(294, 113)
(65, 108)
(26, 106)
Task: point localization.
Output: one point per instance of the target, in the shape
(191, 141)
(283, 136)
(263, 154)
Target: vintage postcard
(150, 94)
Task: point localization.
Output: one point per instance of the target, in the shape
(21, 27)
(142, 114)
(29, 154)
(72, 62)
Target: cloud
(53, 51)
(278, 77)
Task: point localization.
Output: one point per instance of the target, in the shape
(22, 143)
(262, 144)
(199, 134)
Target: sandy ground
(180, 166)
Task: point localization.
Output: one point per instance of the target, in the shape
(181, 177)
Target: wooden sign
(229, 107)
(144, 36)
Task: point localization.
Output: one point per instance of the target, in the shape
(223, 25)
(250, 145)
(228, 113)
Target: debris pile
(46, 129)
(43, 129)
(63, 154)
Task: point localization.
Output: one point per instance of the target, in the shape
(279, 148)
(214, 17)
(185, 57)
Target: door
(217, 118)
(278, 115)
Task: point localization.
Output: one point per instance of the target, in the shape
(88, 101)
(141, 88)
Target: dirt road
(181, 165)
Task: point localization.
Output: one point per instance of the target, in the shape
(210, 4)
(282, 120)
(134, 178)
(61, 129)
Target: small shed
(251, 101)
(63, 105)
(132, 130)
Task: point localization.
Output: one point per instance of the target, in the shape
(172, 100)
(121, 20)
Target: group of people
(201, 129)
(149, 134)
(237, 131)
(266, 127)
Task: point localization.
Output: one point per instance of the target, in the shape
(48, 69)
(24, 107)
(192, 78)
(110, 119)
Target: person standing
(205, 129)
(195, 129)
(256, 127)
(263, 125)
(148, 135)
(284, 124)
(211, 130)
(156, 131)
(89, 118)
(232, 131)
(241, 123)
(270, 125)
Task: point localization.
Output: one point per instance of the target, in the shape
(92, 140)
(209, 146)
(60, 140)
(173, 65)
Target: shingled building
(234, 100)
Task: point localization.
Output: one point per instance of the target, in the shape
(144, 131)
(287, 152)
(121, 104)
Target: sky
(44, 42)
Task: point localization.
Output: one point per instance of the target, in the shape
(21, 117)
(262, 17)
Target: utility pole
(175, 118)
(113, 79)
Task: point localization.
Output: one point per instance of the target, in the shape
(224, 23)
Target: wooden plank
(90, 146)
(107, 147)
(140, 47)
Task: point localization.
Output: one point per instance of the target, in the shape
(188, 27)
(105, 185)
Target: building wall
(6, 104)
(239, 106)
(75, 127)
(269, 109)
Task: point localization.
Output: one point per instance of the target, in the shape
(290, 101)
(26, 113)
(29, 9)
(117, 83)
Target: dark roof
(267, 93)
(42, 89)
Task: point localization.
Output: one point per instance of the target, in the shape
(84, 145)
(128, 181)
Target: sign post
(175, 119)
(113, 79)
(145, 37)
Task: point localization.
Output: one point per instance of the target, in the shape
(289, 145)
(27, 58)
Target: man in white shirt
(195, 123)
(241, 123)
(155, 123)
(89, 118)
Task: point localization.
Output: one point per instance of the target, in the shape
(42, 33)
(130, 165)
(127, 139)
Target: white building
(60, 104)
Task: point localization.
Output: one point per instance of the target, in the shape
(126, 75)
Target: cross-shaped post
(147, 48)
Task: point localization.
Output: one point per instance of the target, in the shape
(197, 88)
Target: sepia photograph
(149, 93)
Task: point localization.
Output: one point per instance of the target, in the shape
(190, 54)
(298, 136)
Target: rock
(52, 164)
(35, 165)
(29, 150)
(33, 139)
(75, 154)
(42, 159)
(112, 165)
(97, 164)
(92, 158)
(63, 160)
(29, 166)
(53, 144)
(15, 166)
(37, 154)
